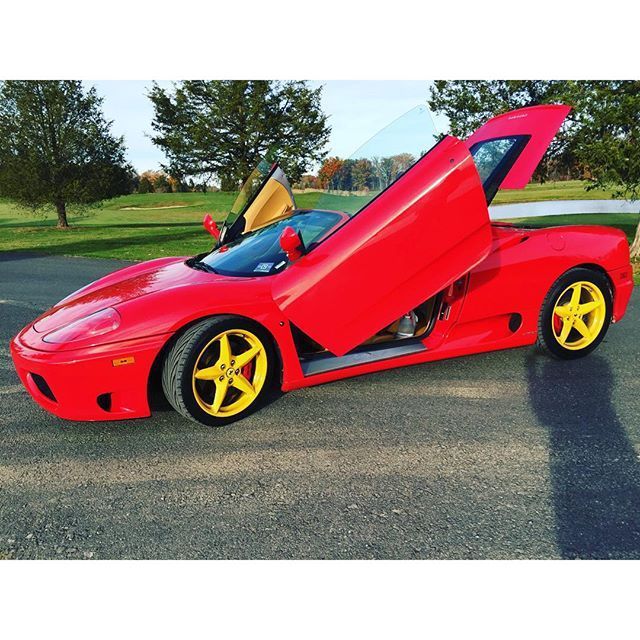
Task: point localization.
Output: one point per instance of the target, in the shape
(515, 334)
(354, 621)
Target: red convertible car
(410, 270)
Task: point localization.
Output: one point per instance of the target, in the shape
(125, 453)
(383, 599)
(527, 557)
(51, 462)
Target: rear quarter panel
(522, 267)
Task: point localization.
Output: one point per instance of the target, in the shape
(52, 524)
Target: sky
(357, 109)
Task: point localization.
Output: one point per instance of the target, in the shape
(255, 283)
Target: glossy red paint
(291, 243)
(540, 122)
(210, 226)
(427, 234)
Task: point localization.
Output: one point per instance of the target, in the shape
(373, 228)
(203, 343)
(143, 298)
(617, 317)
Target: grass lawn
(568, 190)
(135, 227)
(140, 227)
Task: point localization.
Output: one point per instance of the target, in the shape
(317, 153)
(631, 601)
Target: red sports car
(409, 270)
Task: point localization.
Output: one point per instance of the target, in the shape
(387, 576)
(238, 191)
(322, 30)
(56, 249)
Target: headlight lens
(88, 327)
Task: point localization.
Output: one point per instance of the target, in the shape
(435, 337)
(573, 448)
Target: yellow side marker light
(118, 362)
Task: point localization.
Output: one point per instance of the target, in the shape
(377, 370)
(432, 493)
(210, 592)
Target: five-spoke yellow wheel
(219, 369)
(576, 313)
(229, 372)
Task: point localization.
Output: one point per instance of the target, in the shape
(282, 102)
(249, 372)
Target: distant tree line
(362, 174)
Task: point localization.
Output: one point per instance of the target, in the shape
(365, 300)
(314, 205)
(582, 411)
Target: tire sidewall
(559, 286)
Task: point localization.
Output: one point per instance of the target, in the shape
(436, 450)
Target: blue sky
(357, 109)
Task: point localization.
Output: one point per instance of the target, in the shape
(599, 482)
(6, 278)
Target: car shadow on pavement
(595, 473)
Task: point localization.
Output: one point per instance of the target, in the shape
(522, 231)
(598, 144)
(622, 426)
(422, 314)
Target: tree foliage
(363, 174)
(470, 103)
(56, 148)
(328, 169)
(599, 141)
(608, 139)
(221, 128)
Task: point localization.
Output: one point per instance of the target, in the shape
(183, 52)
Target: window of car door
(494, 158)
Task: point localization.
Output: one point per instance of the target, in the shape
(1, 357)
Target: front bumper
(106, 382)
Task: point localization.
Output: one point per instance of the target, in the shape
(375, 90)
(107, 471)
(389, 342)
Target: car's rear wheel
(219, 370)
(576, 314)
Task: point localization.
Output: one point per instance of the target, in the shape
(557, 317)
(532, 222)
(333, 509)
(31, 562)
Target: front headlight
(91, 326)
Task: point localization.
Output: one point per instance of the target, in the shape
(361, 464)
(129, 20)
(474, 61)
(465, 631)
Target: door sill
(327, 362)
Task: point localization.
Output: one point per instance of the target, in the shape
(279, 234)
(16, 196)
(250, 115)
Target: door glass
(378, 163)
(487, 155)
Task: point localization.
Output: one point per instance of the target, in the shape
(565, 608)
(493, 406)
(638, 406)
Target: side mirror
(291, 243)
(209, 224)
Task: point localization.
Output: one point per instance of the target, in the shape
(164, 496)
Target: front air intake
(43, 387)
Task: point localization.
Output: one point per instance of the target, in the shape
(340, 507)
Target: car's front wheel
(219, 370)
(576, 314)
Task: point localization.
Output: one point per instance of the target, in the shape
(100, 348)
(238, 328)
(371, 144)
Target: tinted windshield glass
(258, 253)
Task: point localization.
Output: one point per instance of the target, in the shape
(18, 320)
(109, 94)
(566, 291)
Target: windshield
(258, 253)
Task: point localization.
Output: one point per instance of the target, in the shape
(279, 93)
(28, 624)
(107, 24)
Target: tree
(56, 148)
(362, 172)
(401, 162)
(221, 128)
(145, 185)
(470, 103)
(600, 139)
(162, 183)
(343, 178)
(328, 169)
(608, 139)
(383, 170)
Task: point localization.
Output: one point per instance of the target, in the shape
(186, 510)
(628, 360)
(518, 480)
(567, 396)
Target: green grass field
(567, 190)
(140, 227)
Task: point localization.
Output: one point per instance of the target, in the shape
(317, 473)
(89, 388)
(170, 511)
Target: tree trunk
(62, 214)
(635, 245)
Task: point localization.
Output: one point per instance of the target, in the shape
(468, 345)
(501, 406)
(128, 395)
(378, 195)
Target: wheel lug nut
(237, 371)
(233, 362)
(221, 378)
(222, 367)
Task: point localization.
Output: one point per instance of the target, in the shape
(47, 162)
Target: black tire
(181, 358)
(547, 340)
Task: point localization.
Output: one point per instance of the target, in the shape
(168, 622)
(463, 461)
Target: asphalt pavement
(502, 455)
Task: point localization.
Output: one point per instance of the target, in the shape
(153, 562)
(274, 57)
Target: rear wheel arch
(599, 269)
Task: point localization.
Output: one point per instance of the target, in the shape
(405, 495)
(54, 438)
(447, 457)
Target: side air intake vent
(104, 401)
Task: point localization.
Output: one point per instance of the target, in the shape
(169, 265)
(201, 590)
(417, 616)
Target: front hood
(121, 286)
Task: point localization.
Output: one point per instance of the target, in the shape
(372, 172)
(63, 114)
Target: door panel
(426, 230)
(541, 123)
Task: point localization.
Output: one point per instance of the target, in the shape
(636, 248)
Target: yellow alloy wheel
(229, 373)
(578, 315)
